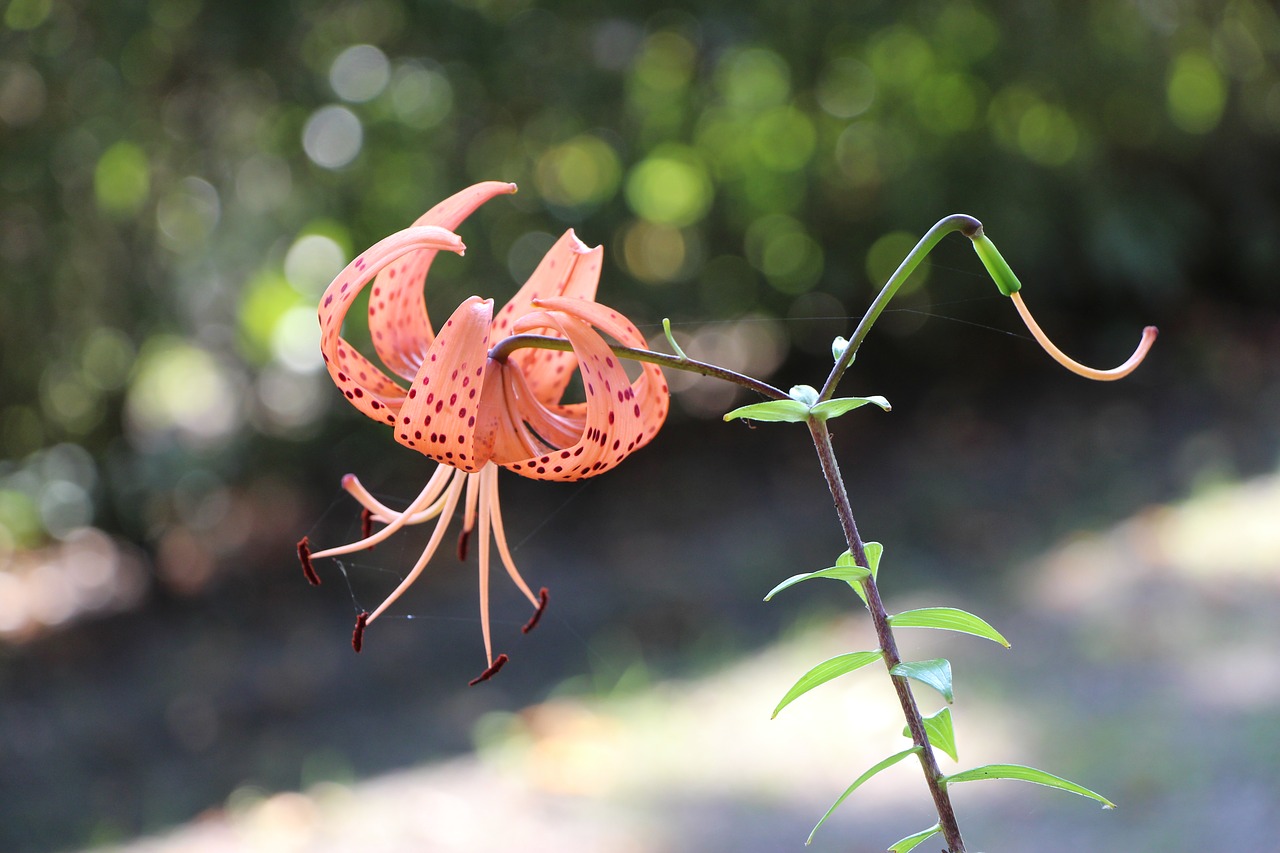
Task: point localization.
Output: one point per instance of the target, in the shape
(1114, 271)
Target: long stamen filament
(490, 494)
(453, 494)
(397, 521)
(1148, 338)
(475, 488)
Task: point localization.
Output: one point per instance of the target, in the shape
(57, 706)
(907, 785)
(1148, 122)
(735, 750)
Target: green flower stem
(967, 225)
(932, 773)
(506, 346)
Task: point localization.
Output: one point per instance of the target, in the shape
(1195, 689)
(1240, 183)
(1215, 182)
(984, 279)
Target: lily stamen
(490, 672)
(1148, 338)
(357, 636)
(304, 556)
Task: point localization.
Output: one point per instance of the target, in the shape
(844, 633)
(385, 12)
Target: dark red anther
(537, 614)
(304, 555)
(463, 538)
(357, 636)
(366, 524)
(490, 672)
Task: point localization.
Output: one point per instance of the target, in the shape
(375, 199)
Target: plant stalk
(503, 349)
(884, 632)
(955, 222)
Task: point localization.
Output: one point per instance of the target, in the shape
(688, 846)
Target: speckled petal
(612, 428)
(398, 319)
(368, 388)
(569, 268)
(438, 417)
(650, 397)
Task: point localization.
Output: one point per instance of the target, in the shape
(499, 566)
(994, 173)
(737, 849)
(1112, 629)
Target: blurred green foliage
(179, 179)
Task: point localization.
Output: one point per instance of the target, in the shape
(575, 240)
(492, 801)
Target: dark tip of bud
(537, 614)
(366, 524)
(357, 636)
(304, 556)
(463, 538)
(490, 672)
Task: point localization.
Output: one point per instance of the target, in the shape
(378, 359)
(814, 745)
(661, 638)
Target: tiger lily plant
(473, 411)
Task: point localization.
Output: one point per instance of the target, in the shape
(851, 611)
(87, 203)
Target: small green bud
(838, 346)
(996, 265)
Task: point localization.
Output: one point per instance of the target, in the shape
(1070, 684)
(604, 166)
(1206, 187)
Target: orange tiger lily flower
(472, 413)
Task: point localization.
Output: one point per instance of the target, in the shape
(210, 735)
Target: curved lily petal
(438, 417)
(650, 393)
(612, 429)
(398, 320)
(368, 388)
(569, 268)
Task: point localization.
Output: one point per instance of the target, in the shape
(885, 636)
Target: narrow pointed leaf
(849, 574)
(792, 411)
(940, 731)
(824, 672)
(947, 619)
(912, 841)
(1027, 774)
(873, 550)
(935, 673)
(888, 762)
(836, 408)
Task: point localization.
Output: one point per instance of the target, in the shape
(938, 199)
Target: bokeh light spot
(122, 179)
(360, 73)
(671, 187)
(657, 254)
(947, 103)
(26, 14)
(22, 94)
(783, 139)
(332, 137)
(1197, 93)
(181, 391)
(312, 262)
(421, 97)
(847, 88)
(187, 214)
(1048, 135)
(779, 246)
(754, 79)
(580, 172)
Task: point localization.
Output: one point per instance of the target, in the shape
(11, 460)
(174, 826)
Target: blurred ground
(1143, 665)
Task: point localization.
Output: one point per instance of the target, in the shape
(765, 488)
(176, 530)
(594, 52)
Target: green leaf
(888, 762)
(1026, 774)
(825, 671)
(940, 732)
(935, 673)
(912, 841)
(873, 550)
(791, 411)
(837, 407)
(948, 619)
(849, 574)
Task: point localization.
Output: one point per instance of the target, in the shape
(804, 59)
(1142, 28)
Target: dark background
(179, 180)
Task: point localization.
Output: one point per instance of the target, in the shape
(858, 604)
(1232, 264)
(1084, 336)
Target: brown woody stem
(884, 632)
